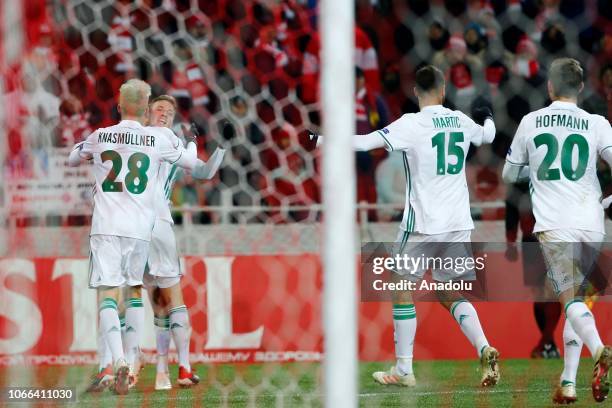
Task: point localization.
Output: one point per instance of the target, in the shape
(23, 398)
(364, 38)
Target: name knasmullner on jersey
(404, 285)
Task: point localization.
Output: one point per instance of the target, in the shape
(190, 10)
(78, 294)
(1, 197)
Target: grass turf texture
(524, 383)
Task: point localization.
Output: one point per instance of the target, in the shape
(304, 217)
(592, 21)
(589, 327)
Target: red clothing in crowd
(365, 58)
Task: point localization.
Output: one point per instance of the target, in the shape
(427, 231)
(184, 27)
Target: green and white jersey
(127, 159)
(434, 143)
(560, 144)
(168, 174)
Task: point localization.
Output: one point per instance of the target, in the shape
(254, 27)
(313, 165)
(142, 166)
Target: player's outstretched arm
(362, 143)
(483, 116)
(206, 170)
(172, 150)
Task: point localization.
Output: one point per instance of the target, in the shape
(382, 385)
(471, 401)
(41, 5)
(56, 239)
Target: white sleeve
(364, 143)
(74, 159)
(187, 158)
(86, 148)
(605, 139)
(513, 173)
(396, 136)
(370, 141)
(206, 170)
(172, 151)
(517, 153)
(484, 134)
(606, 154)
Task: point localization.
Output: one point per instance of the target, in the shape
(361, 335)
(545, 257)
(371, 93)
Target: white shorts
(435, 250)
(150, 281)
(570, 256)
(163, 268)
(116, 261)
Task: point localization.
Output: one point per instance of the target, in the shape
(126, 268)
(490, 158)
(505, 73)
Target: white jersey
(168, 174)
(434, 143)
(560, 144)
(127, 159)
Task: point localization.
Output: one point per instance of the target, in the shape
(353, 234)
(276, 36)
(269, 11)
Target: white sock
(162, 340)
(572, 347)
(583, 323)
(104, 354)
(404, 325)
(134, 322)
(109, 324)
(122, 322)
(181, 333)
(465, 314)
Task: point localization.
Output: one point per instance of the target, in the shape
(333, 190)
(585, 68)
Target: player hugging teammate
(134, 167)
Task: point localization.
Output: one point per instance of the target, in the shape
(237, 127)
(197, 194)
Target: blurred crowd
(246, 73)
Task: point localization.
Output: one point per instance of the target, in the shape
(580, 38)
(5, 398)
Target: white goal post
(339, 262)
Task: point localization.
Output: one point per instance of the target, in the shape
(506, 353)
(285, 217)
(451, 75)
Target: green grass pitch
(524, 383)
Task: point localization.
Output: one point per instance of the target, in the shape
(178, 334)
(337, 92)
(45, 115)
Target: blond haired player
(434, 144)
(556, 148)
(126, 161)
(162, 277)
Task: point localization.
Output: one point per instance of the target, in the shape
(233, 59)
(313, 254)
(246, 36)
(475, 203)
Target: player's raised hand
(191, 134)
(482, 113)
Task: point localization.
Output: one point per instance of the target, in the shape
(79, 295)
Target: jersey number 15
(439, 143)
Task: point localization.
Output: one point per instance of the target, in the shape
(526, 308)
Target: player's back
(435, 142)
(561, 143)
(126, 164)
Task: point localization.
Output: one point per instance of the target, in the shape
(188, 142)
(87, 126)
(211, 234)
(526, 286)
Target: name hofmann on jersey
(127, 138)
(567, 121)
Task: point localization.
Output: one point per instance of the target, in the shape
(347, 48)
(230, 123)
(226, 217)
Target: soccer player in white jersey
(162, 278)
(434, 144)
(556, 148)
(164, 291)
(126, 160)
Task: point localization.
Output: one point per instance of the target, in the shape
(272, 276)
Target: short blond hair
(134, 97)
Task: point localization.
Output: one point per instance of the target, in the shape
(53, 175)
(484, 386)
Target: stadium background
(246, 74)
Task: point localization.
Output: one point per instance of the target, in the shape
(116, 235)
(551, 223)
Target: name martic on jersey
(562, 120)
(446, 122)
(126, 138)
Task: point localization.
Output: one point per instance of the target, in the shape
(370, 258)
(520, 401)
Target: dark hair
(429, 78)
(604, 69)
(565, 75)
(167, 98)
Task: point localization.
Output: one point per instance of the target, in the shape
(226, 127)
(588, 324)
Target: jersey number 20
(439, 142)
(135, 180)
(567, 152)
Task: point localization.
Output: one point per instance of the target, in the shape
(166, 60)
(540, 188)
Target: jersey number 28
(135, 180)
